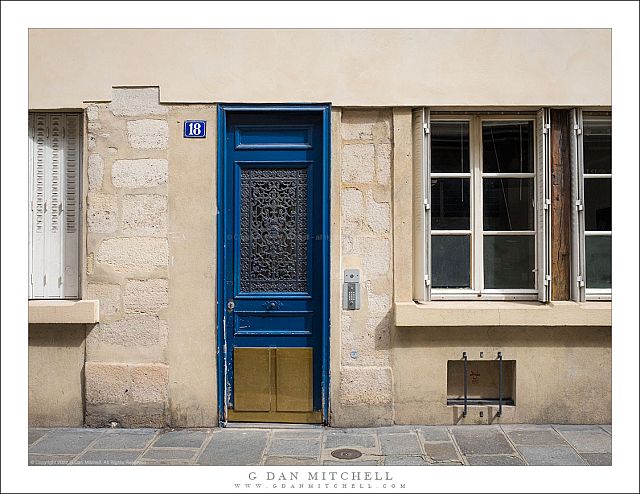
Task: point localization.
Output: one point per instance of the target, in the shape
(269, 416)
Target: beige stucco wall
(56, 362)
(563, 375)
(351, 67)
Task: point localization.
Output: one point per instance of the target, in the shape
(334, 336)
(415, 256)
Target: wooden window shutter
(54, 178)
(543, 204)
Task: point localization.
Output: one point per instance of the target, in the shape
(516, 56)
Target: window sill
(452, 313)
(64, 311)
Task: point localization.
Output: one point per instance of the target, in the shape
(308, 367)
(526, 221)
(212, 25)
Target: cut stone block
(141, 173)
(136, 102)
(130, 255)
(148, 134)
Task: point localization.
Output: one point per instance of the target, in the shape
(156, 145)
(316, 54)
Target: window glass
(598, 261)
(507, 147)
(597, 204)
(451, 261)
(450, 147)
(508, 204)
(509, 261)
(597, 146)
(450, 207)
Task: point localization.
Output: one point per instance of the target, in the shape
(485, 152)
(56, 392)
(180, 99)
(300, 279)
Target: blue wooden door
(274, 260)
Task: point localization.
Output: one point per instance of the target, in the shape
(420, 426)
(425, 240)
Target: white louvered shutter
(54, 162)
(577, 209)
(543, 204)
(31, 170)
(53, 217)
(71, 210)
(419, 257)
(38, 207)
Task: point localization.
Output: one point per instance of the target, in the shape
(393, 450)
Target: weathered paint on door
(273, 262)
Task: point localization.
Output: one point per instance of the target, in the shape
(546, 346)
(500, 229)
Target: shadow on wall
(504, 336)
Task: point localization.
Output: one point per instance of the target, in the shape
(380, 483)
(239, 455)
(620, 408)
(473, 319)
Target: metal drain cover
(346, 454)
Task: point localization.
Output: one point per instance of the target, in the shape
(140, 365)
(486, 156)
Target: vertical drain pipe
(500, 384)
(464, 357)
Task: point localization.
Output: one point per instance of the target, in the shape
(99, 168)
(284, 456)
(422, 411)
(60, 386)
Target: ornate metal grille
(273, 230)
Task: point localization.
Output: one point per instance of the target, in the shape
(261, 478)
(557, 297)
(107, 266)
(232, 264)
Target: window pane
(597, 147)
(508, 204)
(449, 147)
(450, 204)
(597, 204)
(507, 147)
(509, 261)
(598, 259)
(450, 261)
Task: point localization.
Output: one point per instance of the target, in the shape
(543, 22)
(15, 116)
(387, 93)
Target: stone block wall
(126, 371)
(366, 383)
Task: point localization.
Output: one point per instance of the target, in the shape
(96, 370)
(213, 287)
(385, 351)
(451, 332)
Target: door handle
(272, 305)
(230, 305)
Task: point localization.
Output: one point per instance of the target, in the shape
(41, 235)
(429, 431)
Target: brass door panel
(273, 385)
(252, 379)
(294, 379)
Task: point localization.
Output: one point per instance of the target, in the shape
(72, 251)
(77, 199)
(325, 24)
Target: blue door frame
(228, 245)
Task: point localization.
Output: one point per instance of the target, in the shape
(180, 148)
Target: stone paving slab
(108, 457)
(346, 440)
(550, 455)
(235, 447)
(169, 454)
(50, 460)
(606, 428)
(401, 460)
(494, 460)
(525, 427)
(481, 441)
(350, 463)
(181, 439)
(294, 447)
(439, 452)
(434, 433)
(587, 441)
(66, 441)
(536, 437)
(597, 459)
(297, 434)
(35, 434)
(569, 427)
(125, 439)
(399, 444)
(290, 460)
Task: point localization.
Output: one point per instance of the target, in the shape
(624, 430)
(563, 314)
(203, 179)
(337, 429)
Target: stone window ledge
(456, 313)
(64, 311)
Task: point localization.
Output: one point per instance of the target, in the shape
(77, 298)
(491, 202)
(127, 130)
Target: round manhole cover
(346, 454)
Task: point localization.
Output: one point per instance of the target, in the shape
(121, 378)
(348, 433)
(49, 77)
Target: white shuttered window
(54, 200)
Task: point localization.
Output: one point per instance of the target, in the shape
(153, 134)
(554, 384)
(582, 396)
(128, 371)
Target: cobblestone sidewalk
(397, 445)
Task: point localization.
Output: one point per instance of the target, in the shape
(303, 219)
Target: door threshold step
(270, 425)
